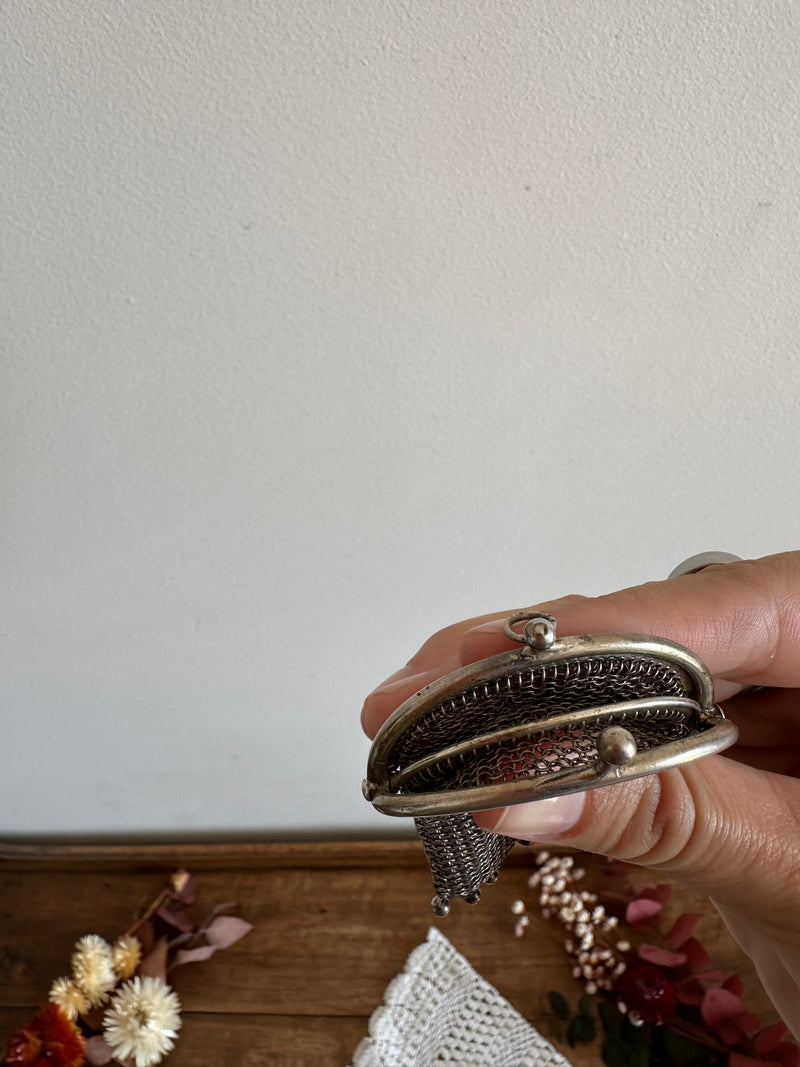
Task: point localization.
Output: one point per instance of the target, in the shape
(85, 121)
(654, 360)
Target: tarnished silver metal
(544, 719)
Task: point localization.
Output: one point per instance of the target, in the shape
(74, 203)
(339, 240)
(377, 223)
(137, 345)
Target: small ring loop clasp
(539, 633)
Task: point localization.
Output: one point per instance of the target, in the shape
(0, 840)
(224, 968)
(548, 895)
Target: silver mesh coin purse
(547, 718)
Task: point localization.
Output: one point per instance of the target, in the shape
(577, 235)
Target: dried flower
(659, 1001)
(143, 1020)
(646, 990)
(50, 1039)
(591, 945)
(69, 997)
(93, 968)
(126, 953)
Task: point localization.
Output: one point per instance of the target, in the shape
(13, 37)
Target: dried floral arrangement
(652, 987)
(116, 1005)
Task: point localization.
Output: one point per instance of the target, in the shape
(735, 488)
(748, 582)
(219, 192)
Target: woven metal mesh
(462, 856)
(536, 695)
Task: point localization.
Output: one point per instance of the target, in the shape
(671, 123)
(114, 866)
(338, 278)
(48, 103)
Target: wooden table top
(334, 923)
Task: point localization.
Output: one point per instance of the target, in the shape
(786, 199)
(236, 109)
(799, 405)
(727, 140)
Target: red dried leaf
(155, 964)
(193, 955)
(786, 1054)
(734, 984)
(661, 957)
(98, 1050)
(179, 918)
(661, 893)
(682, 928)
(768, 1038)
(748, 1023)
(226, 930)
(696, 956)
(642, 910)
(690, 991)
(729, 1032)
(720, 1005)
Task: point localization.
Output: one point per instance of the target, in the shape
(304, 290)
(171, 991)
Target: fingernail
(540, 820)
(399, 682)
(389, 695)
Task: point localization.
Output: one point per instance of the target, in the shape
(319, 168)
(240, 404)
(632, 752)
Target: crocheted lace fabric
(439, 1011)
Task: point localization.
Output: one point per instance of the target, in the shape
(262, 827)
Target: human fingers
(439, 655)
(704, 819)
(742, 619)
(390, 694)
(729, 829)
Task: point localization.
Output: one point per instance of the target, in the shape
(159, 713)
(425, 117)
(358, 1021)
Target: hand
(727, 824)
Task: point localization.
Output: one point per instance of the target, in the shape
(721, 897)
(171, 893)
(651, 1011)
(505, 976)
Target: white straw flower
(126, 953)
(93, 968)
(142, 1021)
(72, 1000)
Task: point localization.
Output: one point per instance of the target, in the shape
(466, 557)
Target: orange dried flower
(50, 1039)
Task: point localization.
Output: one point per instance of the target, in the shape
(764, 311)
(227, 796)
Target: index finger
(742, 619)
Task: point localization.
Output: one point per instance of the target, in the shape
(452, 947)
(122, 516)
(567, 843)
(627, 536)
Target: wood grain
(334, 922)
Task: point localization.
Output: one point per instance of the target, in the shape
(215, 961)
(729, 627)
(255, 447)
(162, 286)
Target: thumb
(725, 827)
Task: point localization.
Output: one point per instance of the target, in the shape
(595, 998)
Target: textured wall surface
(326, 324)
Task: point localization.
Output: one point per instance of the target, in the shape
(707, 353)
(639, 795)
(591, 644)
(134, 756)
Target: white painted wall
(326, 324)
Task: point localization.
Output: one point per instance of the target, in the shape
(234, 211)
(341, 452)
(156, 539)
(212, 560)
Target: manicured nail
(540, 820)
(398, 682)
(389, 695)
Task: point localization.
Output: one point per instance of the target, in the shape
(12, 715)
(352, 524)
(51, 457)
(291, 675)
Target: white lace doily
(439, 1012)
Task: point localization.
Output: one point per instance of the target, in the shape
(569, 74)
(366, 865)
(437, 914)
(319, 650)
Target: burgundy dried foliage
(184, 887)
(690, 991)
(696, 956)
(193, 955)
(226, 930)
(734, 984)
(660, 892)
(641, 913)
(682, 929)
(787, 1054)
(770, 1037)
(669, 979)
(661, 957)
(178, 918)
(720, 1005)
